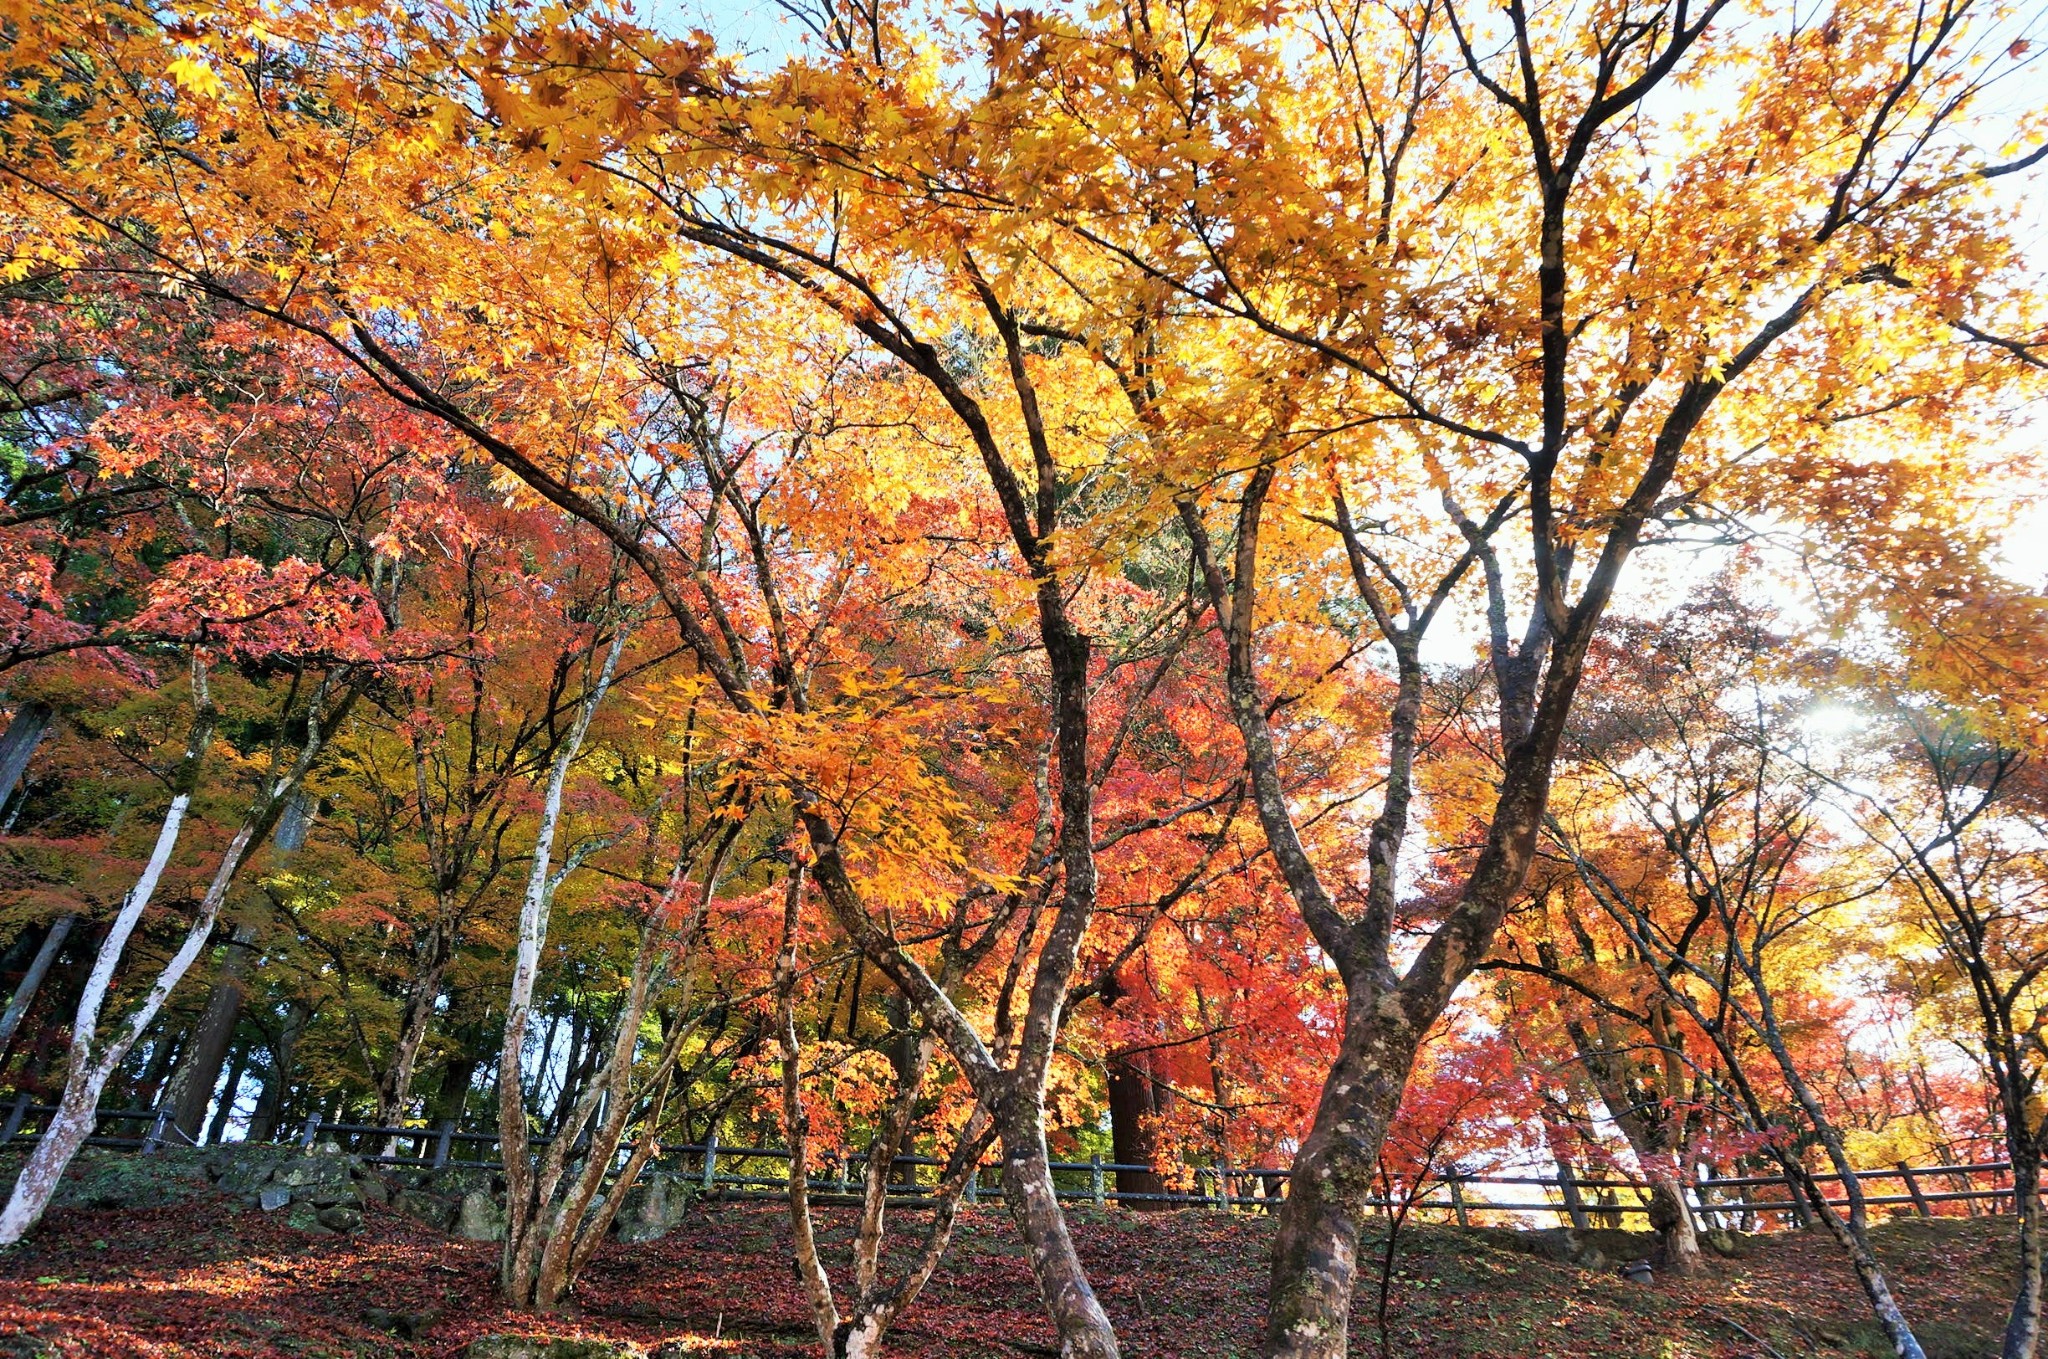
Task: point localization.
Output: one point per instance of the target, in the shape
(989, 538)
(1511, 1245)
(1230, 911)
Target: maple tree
(1105, 520)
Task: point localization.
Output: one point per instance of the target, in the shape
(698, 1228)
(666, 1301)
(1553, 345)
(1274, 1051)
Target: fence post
(711, 1161)
(1095, 1180)
(974, 1184)
(444, 1143)
(1458, 1200)
(1913, 1188)
(1574, 1206)
(312, 1133)
(16, 1116)
(154, 1138)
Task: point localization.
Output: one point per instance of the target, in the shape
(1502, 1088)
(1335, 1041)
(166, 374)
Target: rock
(306, 1218)
(479, 1218)
(373, 1190)
(1590, 1258)
(273, 1197)
(653, 1208)
(1552, 1243)
(341, 1217)
(313, 1173)
(455, 1181)
(524, 1347)
(1638, 1272)
(332, 1195)
(244, 1169)
(125, 1180)
(1729, 1245)
(430, 1209)
(404, 1325)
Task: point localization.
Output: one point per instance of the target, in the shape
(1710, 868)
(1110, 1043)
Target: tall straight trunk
(230, 1088)
(200, 1071)
(277, 1084)
(162, 1056)
(1133, 1107)
(32, 980)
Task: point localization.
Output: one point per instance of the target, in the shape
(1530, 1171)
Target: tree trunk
(1671, 1220)
(1133, 1106)
(1315, 1252)
(24, 732)
(2023, 1324)
(200, 1073)
(32, 981)
(230, 1088)
(78, 1109)
(277, 1085)
(1084, 1329)
(394, 1087)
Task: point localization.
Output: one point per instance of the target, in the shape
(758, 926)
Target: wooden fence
(742, 1172)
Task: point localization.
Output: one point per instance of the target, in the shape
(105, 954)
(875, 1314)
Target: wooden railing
(728, 1171)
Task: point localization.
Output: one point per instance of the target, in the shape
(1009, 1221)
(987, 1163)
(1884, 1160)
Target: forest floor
(212, 1279)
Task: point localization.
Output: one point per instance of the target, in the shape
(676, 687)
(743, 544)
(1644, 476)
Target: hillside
(209, 1278)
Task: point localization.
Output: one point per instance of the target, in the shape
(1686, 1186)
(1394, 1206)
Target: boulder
(455, 1181)
(653, 1208)
(479, 1218)
(373, 1190)
(430, 1209)
(243, 1169)
(1729, 1245)
(526, 1347)
(306, 1218)
(308, 1175)
(273, 1197)
(341, 1217)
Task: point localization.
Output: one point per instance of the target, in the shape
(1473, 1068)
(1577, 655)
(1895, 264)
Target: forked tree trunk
(522, 1213)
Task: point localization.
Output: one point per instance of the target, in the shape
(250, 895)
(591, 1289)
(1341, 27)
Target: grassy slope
(211, 1279)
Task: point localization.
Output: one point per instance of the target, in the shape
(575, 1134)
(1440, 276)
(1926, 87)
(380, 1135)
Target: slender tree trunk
(541, 882)
(78, 1107)
(216, 1030)
(394, 1088)
(89, 1073)
(77, 1110)
(32, 981)
(1315, 1250)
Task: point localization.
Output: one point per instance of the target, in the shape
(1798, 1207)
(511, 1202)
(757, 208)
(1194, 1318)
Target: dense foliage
(1368, 589)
